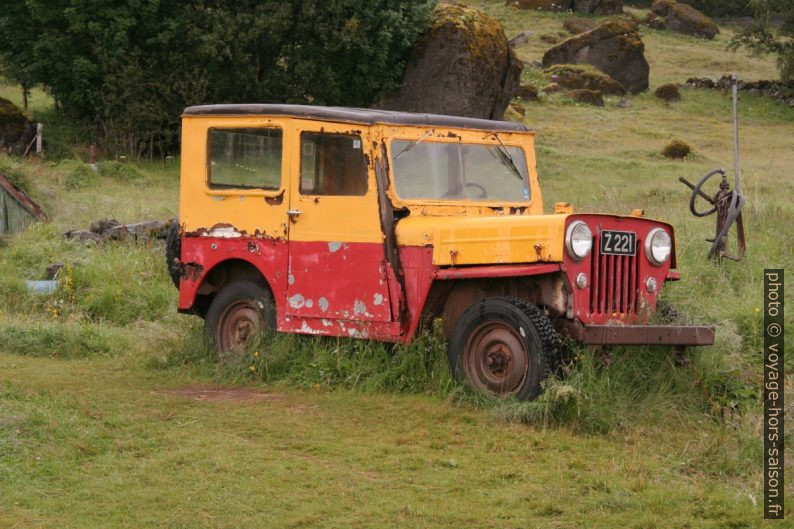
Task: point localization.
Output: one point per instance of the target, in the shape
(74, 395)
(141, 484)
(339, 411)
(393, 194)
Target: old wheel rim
(240, 322)
(495, 359)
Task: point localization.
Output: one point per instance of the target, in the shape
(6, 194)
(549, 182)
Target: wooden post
(39, 145)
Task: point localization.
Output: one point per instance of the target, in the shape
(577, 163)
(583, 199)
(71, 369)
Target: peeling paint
(323, 303)
(359, 307)
(327, 323)
(378, 299)
(309, 303)
(297, 301)
(334, 246)
(291, 279)
(308, 330)
(224, 232)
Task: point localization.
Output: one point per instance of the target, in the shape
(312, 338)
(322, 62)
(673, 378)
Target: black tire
(238, 313)
(505, 347)
(173, 251)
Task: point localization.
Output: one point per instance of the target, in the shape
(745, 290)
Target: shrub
(677, 150)
(668, 93)
(587, 97)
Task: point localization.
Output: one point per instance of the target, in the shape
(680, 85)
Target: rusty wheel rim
(496, 359)
(240, 322)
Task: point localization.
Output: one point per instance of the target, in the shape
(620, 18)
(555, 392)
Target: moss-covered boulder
(578, 25)
(16, 131)
(462, 66)
(587, 97)
(614, 47)
(593, 7)
(683, 18)
(575, 76)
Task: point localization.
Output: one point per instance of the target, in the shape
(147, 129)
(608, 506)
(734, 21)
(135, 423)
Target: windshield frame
(489, 139)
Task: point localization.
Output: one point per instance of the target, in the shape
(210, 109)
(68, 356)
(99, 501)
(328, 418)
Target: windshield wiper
(507, 160)
(414, 143)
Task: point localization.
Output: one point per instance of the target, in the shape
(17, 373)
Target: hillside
(112, 413)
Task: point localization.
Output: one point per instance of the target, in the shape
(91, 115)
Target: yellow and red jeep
(364, 223)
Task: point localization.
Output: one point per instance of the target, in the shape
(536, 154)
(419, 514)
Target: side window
(332, 164)
(245, 158)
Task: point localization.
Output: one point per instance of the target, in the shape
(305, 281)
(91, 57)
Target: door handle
(294, 214)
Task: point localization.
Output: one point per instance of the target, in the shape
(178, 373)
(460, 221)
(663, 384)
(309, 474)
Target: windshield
(429, 170)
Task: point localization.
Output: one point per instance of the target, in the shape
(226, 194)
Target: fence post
(39, 145)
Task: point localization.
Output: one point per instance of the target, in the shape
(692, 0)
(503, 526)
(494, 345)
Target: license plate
(618, 242)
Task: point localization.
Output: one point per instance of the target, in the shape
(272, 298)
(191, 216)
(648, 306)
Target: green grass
(356, 434)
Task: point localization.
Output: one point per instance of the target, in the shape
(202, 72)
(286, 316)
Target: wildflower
(256, 353)
(252, 368)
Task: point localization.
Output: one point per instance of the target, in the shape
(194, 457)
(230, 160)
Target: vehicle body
(364, 223)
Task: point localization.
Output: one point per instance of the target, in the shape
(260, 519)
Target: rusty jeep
(366, 223)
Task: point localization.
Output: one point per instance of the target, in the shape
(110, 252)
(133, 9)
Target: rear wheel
(505, 347)
(241, 311)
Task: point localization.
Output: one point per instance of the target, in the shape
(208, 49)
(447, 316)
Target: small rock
(549, 39)
(527, 92)
(588, 97)
(677, 150)
(668, 93)
(552, 88)
(536, 64)
(654, 22)
(624, 103)
(82, 235)
(518, 109)
(520, 39)
(101, 226)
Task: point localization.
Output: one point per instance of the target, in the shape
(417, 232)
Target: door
(337, 266)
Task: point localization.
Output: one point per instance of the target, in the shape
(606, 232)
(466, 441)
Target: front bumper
(640, 334)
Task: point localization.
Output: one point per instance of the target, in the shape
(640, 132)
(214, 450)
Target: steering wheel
(483, 192)
(697, 191)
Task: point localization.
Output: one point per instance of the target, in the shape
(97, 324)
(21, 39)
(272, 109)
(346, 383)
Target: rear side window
(245, 158)
(333, 164)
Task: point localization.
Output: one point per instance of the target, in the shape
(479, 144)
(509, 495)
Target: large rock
(615, 48)
(463, 66)
(593, 7)
(683, 18)
(16, 131)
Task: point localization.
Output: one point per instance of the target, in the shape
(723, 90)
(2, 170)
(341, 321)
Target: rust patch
(214, 394)
(227, 231)
(191, 271)
(276, 200)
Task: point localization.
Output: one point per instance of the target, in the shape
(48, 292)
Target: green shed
(17, 209)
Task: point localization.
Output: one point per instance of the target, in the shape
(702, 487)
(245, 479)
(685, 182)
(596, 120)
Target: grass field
(113, 413)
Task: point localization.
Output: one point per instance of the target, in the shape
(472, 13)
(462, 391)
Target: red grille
(614, 282)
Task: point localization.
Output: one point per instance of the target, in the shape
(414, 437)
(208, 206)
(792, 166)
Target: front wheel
(238, 313)
(504, 347)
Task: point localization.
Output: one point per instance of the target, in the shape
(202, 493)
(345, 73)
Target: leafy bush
(130, 69)
(762, 38)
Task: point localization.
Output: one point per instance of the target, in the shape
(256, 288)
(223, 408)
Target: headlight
(658, 246)
(578, 240)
